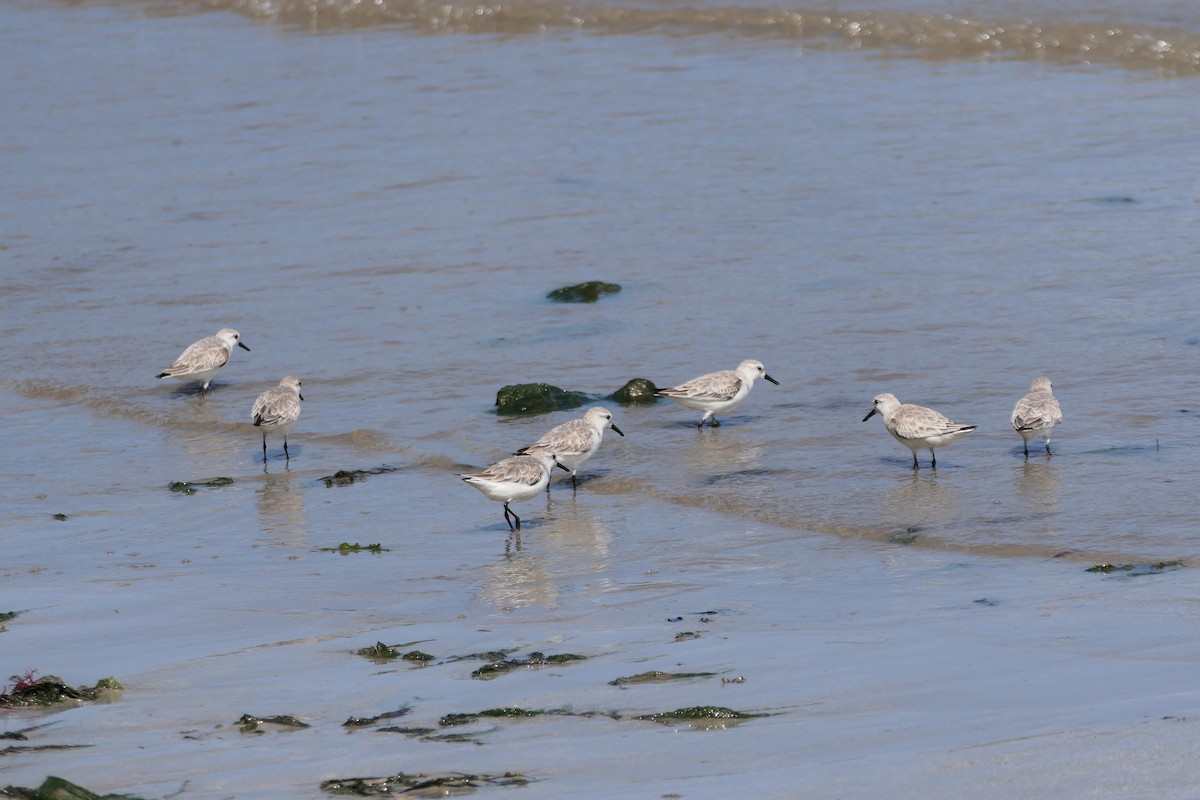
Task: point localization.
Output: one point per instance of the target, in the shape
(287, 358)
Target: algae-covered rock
(251, 724)
(345, 548)
(58, 789)
(420, 785)
(346, 477)
(697, 713)
(50, 690)
(655, 676)
(190, 487)
(1136, 569)
(535, 659)
(491, 713)
(379, 651)
(363, 722)
(537, 398)
(588, 292)
(635, 392)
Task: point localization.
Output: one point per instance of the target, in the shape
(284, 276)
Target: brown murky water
(941, 201)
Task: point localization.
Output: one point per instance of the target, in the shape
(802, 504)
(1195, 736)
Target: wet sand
(382, 214)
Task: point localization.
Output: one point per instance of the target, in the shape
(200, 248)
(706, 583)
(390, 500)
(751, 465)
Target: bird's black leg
(915, 465)
(1047, 447)
(509, 521)
(286, 455)
(1027, 451)
(933, 455)
(264, 447)
(574, 483)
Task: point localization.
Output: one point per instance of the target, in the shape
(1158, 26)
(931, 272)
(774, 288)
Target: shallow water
(382, 214)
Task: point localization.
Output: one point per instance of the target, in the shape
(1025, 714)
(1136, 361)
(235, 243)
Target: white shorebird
(513, 479)
(201, 360)
(718, 392)
(916, 427)
(575, 441)
(1037, 413)
(276, 411)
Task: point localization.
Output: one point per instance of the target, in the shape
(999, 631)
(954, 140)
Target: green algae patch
(29, 691)
(346, 477)
(431, 735)
(345, 548)
(451, 720)
(365, 722)
(191, 487)
(384, 652)
(502, 666)
(654, 676)
(379, 652)
(638, 391)
(684, 636)
(59, 517)
(5, 616)
(248, 723)
(1133, 570)
(587, 292)
(699, 716)
(421, 785)
(58, 789)
(537, 398)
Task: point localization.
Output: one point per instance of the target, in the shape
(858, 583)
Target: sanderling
(515, 478)
(916, 427)
(576, 441)
(718, 391)
(276, 410)
(201, 360)
(1037, 413)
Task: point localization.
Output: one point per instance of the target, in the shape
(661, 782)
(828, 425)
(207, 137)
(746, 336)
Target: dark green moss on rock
(252, 724)
(537, 398)
(451, 783)
(588, 292)
(58, 789)
(190, 487)
(696, 713)
(635, 392)
(51, 690)
(346, 477)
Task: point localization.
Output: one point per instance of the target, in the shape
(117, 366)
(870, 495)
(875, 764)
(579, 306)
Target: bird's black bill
(561, 465)
(243, 346)
(772, 380)
(300, 396)
(871, 414)
(615, 428)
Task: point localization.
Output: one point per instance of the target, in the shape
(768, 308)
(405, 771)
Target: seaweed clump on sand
(700, 716)
(502, 666)
(420, 785)
(345, 548)
(655, 676)
(346, 477)
(248, 723)
(58, 789)
(29, 690)
(383, 652)
(636, 392)
(587, 292)
(190, 487)
(1133, 570)
(537, 398)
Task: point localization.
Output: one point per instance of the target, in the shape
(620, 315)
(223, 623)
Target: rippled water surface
(382, 212)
